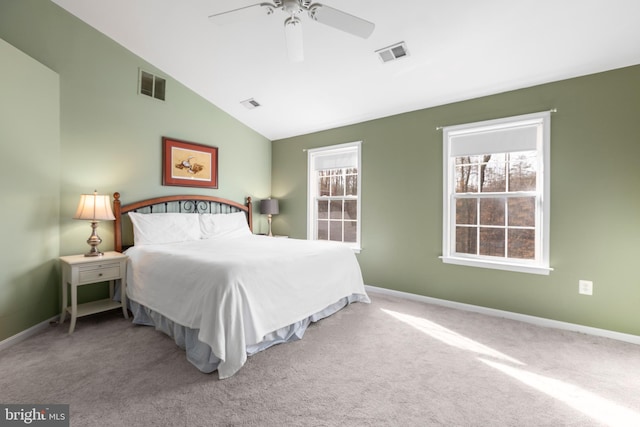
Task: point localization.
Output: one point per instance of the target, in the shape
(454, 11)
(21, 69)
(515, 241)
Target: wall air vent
(151, 85)
(393, 52)
(250, 103)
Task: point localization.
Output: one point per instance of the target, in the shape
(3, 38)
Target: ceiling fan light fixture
(293, 35)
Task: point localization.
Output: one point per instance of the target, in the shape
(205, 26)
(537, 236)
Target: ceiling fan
(293, 26)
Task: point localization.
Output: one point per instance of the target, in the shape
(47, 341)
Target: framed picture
(188, 164)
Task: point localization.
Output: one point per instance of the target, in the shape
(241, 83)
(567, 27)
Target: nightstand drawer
(91, 274)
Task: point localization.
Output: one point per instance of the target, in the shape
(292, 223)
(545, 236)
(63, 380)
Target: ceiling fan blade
(293, 36)
(242, 14)
(341, 20)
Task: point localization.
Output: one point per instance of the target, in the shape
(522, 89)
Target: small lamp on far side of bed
(269, 207)
(94, 207)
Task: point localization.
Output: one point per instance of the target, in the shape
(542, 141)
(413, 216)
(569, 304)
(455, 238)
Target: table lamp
(269, 207)
(94, 207)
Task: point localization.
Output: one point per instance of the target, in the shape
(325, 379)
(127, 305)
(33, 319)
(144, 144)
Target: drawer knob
(100, 275)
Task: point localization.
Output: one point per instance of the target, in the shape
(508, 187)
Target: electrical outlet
(585, 287)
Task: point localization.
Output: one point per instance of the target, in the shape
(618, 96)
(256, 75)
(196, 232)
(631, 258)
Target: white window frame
(475, 134)
(312, 187)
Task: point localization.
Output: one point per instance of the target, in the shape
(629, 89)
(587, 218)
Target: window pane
(323, 183)
(335, 231)
(492, 242)
(493, 173)
(337, 184)
(466, 211)
(323, 230)
(350, 209)
(492, 211)
(352, 185)
(335, 209)
(466, 240)
(522, 244)
(350, 231)
(323, 209)
(466, 179)
(522, 171)
(522, 211)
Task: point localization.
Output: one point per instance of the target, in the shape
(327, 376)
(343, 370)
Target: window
(496, 194)
(334, 194)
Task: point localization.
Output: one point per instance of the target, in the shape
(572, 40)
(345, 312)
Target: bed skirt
(200, 354)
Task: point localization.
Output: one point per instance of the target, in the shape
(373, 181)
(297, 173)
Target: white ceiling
(459, 49)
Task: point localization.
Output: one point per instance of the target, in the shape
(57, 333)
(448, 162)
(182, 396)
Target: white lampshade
(94, 207)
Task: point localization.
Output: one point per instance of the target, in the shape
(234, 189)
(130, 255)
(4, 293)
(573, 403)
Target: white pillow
(224, 225)
(154, 229)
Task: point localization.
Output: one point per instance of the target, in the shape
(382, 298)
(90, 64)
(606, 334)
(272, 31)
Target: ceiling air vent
(151, 85)
(250, 103)
(393, 52)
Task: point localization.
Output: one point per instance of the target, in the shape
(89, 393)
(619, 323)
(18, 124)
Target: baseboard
(21, 336)
(539, 321)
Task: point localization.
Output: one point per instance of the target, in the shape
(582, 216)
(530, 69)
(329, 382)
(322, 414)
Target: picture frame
(189, 164)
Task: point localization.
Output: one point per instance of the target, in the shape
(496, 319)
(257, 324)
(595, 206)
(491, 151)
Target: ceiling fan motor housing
(292, 7)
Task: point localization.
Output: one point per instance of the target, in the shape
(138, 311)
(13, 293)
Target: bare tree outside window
(494, 215)
(337, 204)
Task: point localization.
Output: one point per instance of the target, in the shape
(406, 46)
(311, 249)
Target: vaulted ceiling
(457, 50)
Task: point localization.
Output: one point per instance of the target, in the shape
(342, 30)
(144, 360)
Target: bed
(198, 273)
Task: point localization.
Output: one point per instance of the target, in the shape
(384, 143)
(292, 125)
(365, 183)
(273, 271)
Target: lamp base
(94, 240)
(92, 253)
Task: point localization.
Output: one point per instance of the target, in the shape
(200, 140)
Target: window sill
(520, 268)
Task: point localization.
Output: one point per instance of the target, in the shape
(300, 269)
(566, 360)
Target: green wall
(30, 189)
(110, 137)
(595, 201)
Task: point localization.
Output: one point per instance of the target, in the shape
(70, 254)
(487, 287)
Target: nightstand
(79, 270)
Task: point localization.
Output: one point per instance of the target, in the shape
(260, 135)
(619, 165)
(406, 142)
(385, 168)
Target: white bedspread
(237, 290)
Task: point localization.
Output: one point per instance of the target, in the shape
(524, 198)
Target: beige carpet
(390, 363)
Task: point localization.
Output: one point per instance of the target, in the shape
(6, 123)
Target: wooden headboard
(178, 203)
